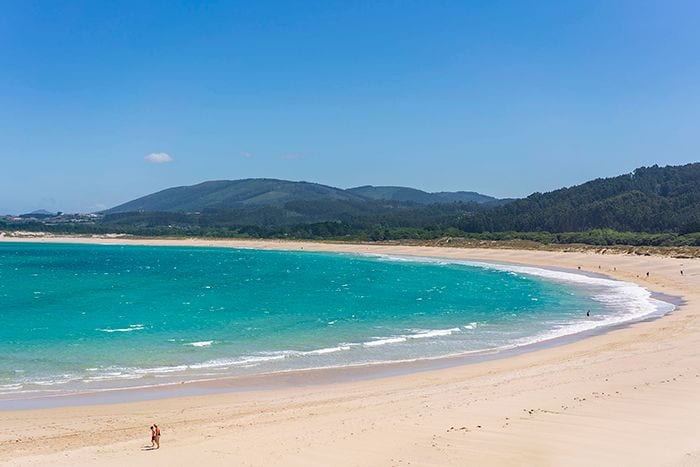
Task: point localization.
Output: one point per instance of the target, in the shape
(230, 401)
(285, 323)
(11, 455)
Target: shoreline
(269, 380)
(635, 357)
(298, 378)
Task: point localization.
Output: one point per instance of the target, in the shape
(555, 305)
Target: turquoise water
(90, 317)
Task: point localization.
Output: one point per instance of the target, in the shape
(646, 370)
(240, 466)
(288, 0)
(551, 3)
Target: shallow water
(91, 317)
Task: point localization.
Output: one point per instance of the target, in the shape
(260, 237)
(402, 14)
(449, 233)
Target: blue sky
(504, 98)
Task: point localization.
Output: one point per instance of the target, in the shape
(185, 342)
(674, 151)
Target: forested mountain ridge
(232, 194)
(650, 206)
(650, 199)
(258, 192)
(412, 195)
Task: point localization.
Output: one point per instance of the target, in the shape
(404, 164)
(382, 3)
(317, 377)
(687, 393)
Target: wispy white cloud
(246, 154)
(159, 158)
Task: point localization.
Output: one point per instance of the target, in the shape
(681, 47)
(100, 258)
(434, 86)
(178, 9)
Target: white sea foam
(240, 361)
(161, 369)
(216, 364)
(388, 340)
(248, 361)
(11, 386)
(417, 334)
(258, 359)
(54, 381)
(327, 350)
(118, 373)
(132, 327)
(112, 376)
(200, 344)
(432, 333)
(629, 301)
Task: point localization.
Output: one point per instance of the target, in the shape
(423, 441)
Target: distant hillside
(393, 193)
(652, 206)
(232, 194)
(468, 197)
(38, 214)
(258, 192)
(650, 199)
(412, 195)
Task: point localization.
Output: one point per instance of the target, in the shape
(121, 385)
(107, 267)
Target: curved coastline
(617, 353)
(616, 291)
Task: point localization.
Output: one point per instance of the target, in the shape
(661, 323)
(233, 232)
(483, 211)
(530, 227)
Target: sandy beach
(630, 396)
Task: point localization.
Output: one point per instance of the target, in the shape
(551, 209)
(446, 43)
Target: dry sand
(627, 397)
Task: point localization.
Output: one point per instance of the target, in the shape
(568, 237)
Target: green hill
(468, 197)
(650, 206)
(232, 194)
(412, 195)
(650, 199)
(259, 192)
(393, 193)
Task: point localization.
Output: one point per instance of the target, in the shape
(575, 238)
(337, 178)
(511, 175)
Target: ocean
(82, 318)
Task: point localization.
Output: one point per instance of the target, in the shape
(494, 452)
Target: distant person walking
(157, 433)
(153, 436)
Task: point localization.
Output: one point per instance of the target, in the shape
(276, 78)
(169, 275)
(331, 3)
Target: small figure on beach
(579, 268)
(647, 273)
(681, 272)
(157, 435)
(588, 313)
(153, 436)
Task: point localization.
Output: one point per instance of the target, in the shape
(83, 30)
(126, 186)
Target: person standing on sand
(157, 433)
(153, 436)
